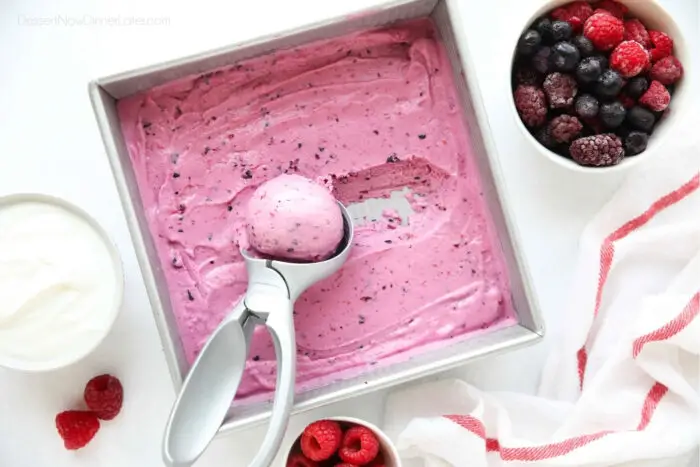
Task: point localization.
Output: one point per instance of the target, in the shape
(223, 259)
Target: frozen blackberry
(561, 31)
(544, 27)
(609, 84)
(636, 87)
(589, 70)
(587, 106)
(641, 118)
(564, 56)
(597, 150)
(560, 89)
(612, 114)
(565, 128)
(540, 61)
(529, 42)
(636, 143)
(584, 46)
(531, 105)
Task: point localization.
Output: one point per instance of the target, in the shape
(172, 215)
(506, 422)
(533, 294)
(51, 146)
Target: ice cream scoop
(212, 382)
(295, 218)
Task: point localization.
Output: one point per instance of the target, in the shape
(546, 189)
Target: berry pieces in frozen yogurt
(625, 74)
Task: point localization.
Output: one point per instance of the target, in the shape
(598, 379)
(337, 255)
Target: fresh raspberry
(360, 446)
(321, 440)
(597, 150)
(531, 105)
(663, 45)
(604, 30)
(629, 59)
(656, 98)
(104, 395)
(560, 89)
(616, 9)
(77, 428)
(300, 460)
(636, 31)
(575, 14)
(667, 71)
(565, 128)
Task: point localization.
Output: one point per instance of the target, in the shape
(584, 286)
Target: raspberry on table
(663, 45)
(104, 395)
(629, 58)
(321, 439)
(636, 87)
(300, 460)
(565, 128)
(597, 150)
(77, 428)
(636, 143)
(616, 9)
(604, 31)
(560, 89)
(609, 84)
(587, 106)
(636, 31)
(359, 447)
(531, 104)
(667, 71)
(641, 118)
(612, 114)
(564, 56)
(656, 98)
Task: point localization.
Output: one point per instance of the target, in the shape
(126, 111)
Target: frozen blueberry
(529, 42)
(587, 106)
(636, 143)
(540, 61)
(609, 84)
(612, 114)
(564, 56)
(589, 70)
(641, 118)
(584, 46)
(636, 87)
(561, 31)
(544, 27)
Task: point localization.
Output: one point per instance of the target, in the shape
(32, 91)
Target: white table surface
(49, 143)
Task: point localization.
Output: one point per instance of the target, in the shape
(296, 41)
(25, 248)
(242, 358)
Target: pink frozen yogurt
(371, 113)
(293, 217)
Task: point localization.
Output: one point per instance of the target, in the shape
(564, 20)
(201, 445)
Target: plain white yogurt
(59, 285)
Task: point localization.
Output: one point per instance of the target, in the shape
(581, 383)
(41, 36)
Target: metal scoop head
(212, 382)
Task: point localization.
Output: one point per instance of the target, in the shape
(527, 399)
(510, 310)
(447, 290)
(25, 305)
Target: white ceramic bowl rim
(18, 198)
(656, 17)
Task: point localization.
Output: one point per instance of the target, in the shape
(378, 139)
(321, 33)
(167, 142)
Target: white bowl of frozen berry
(598, 85)
(342, 442)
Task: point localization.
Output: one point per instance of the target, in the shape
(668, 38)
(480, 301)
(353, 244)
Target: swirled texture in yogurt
(370, 113)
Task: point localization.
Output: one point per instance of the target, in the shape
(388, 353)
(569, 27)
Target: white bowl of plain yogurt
(61, 283)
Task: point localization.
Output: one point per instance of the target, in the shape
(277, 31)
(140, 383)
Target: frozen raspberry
(104, 395)
(667, 71)
(77, 428)
(300, 460)
(629, 58)
(616, 9)
(597, 150)
(531, 105)
(656, 98)
(321, 440)
(663, 45)
(565, 128)
(560, 89)
(636, 31)
(575, 14)
(604, 30)
(360, 446)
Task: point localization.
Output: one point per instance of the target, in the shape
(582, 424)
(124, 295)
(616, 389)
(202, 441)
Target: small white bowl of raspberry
(597, 86)
(342, 442)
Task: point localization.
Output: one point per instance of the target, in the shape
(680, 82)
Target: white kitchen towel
(620, 385)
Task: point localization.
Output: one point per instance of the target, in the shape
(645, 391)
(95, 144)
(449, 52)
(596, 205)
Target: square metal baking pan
(105, 92)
